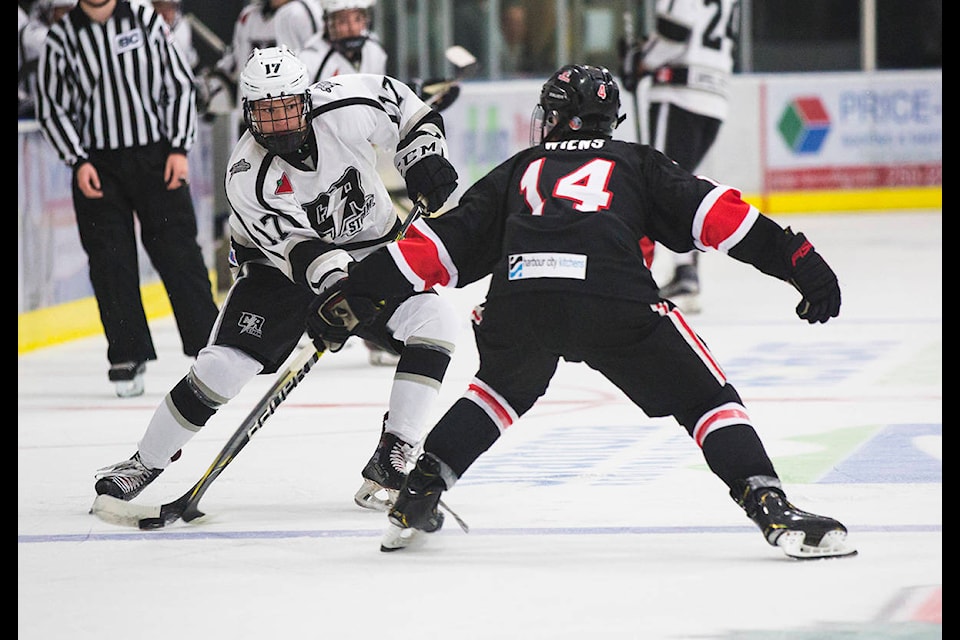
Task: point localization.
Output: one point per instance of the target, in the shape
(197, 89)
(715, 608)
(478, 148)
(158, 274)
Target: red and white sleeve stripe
(422, 259)
(722, 219)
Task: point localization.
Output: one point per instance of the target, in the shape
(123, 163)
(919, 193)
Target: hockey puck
(151, 523)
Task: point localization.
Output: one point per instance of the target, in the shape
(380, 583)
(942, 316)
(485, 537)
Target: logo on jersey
(325, 86)
(341, 211)
(128, 41)
(804, 125)
(251, 323)
(283, 185)
(239, 166)
(524, 266)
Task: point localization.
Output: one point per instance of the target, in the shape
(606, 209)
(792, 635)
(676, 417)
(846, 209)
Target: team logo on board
(804, 125)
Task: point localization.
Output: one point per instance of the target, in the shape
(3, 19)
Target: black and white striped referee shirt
(116, 85)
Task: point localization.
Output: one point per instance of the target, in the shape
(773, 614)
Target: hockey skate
(127, 378)
(684, 289)
(125, 480)
(384, 473)
(800, 535)
(416, 507)
(380, 357)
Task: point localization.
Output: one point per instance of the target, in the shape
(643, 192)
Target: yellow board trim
(81, 318)
(848, 201)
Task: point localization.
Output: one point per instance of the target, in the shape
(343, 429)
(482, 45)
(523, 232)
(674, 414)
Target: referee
(117, 102)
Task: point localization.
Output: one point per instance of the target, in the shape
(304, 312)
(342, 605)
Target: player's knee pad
(220, 372)
(217, 376)
(428, 320)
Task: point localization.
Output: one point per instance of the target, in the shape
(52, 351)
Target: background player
(689, 59)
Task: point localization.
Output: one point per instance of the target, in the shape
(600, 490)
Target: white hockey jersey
(254, 29)
(691, 54)
(324, 62)
(297, 21)
(309, 215)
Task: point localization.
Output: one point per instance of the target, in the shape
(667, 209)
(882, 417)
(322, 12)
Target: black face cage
(279, 140)
(349, 48)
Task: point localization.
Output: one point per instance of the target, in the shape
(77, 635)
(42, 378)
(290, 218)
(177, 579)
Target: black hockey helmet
(577, 98)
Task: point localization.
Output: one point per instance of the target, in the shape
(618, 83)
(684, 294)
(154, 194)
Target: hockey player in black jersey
(558, 226)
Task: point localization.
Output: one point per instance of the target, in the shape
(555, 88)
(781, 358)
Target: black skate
(798, 534)
(684, 289)
(383, 476)
(125, 480)
(416, 508)
(127, 378)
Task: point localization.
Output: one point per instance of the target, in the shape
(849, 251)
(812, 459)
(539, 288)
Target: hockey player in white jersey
(689, 57)
(254, 29)
(297, 21)
(345, 44)
(307, 202)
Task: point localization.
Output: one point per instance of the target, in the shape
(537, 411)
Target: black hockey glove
(813, 278)
(432, 177)
(335, 314)
(439, 93)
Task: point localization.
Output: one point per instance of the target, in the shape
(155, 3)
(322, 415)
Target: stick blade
(460, 57)
(124, 514)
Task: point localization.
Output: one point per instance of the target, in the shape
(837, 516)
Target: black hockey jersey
(566, 216)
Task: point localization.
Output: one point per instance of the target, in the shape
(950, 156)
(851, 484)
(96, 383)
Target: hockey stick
(206, 34)
(463, 61)
(419, 209)
(631, 41)
(110, 509)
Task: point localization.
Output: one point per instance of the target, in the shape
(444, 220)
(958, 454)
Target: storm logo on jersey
(339, 212)
(251, 323)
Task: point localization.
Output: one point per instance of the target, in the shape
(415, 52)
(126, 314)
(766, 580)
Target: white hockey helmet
(347, 33)
(330, 6)
(275, 96)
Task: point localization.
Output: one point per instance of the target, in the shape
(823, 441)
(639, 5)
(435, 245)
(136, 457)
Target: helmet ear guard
(581, 99)
(275, 96)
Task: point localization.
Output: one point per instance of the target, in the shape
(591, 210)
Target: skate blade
(397, 537)
(688, 303)
(833, 545)
(125, 514)
(372, 496)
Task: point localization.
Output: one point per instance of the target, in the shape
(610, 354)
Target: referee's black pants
(133, 187)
